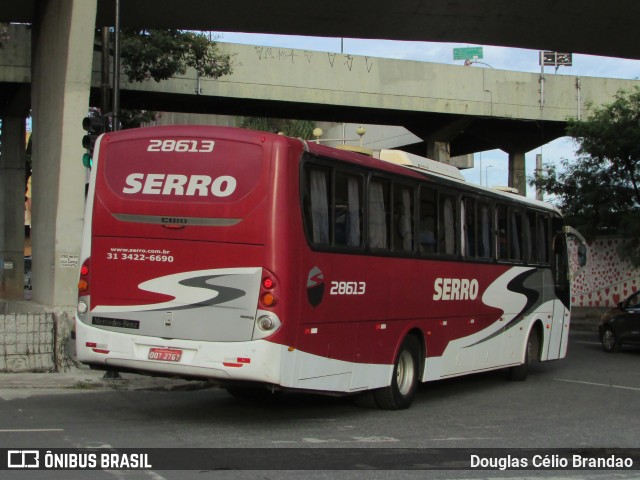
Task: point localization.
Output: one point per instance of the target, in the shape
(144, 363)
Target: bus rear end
(175, 277)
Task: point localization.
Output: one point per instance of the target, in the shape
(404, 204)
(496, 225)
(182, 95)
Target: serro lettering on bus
(455, 289)
(176, 184)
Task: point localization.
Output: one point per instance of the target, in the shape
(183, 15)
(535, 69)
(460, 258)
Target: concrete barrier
(34, 342)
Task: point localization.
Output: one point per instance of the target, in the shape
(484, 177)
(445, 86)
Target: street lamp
(486, 174)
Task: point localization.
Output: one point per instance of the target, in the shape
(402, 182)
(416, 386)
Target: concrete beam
(62, 54)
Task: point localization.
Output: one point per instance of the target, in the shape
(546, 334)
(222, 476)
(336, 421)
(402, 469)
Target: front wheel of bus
(404, 381)
(531, 356)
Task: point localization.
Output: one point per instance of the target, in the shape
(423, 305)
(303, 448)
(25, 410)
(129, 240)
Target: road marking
(598, 384)
(374, 439)
(30, 430)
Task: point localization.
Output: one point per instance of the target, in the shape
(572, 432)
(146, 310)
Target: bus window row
(349, 210)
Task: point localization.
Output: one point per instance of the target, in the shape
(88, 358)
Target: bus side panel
(359, 311)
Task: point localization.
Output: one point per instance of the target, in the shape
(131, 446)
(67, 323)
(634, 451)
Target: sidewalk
(86, 379)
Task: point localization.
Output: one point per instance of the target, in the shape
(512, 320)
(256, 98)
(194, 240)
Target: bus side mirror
(582, 247)
(582, 254)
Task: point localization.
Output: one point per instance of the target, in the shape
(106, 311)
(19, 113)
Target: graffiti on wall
(292, 56)
(606, 279)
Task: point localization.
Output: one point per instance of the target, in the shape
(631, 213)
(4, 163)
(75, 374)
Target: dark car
(27, 273)
(621, 325)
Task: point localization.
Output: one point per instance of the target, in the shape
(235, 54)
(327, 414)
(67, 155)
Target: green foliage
(291, 128)
(162, 53)
(136, 118)
(599, 190)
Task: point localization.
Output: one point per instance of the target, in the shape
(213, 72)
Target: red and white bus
(258, 260)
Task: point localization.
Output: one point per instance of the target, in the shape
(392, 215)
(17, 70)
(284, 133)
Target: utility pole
(116, 70)
(104, 85)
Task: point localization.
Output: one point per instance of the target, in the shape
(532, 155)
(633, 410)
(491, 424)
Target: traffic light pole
(104, 106)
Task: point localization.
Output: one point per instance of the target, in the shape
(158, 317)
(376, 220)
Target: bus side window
(348, 210)
(378, 214)
(543, 239)
(427, 221)
(318, 218)
(485, 231)
(403, 218)
(516, 234)
(447, 224)
(502, 247)
(468, 216)
(530, 238)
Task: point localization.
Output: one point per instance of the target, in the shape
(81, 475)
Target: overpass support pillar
(12, 208)
(517, 177)
(438, 151)
(62, 53)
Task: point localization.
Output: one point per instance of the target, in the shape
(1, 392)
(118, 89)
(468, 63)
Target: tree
(599, 191)
(136, 118)
(159, 54)
(291, 128)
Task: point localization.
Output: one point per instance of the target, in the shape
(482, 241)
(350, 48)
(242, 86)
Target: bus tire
(404, 381)
(519, 373)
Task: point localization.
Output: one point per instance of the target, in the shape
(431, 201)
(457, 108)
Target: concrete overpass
(470, 109)
(455, 110)
(579, 26)
(61, 53)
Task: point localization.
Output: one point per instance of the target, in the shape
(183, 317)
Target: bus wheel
(404, 381)
(531, 356)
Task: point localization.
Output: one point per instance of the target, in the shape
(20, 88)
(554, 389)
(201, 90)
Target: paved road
(590, 399)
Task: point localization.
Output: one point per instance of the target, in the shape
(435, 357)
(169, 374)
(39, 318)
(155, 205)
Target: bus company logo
(455, 289)
(174, 220)
(179, 185)
(23, 459)
(315, 286)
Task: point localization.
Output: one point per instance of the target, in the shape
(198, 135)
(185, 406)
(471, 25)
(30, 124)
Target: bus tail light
(266, 323)
(83, 282)
(268, 290)
(83, 288)
(268, 300)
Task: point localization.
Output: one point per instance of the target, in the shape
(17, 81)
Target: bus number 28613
(347, 288)
(187, 146)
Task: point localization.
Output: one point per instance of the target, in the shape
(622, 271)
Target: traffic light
(94, 126)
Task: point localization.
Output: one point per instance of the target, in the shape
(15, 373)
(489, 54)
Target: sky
(495, 162)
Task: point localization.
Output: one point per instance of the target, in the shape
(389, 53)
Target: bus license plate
(165, 354)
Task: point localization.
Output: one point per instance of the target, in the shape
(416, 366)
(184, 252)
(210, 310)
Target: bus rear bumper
(252, 361)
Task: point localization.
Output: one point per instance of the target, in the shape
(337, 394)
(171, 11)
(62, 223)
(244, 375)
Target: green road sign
(468, 53)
